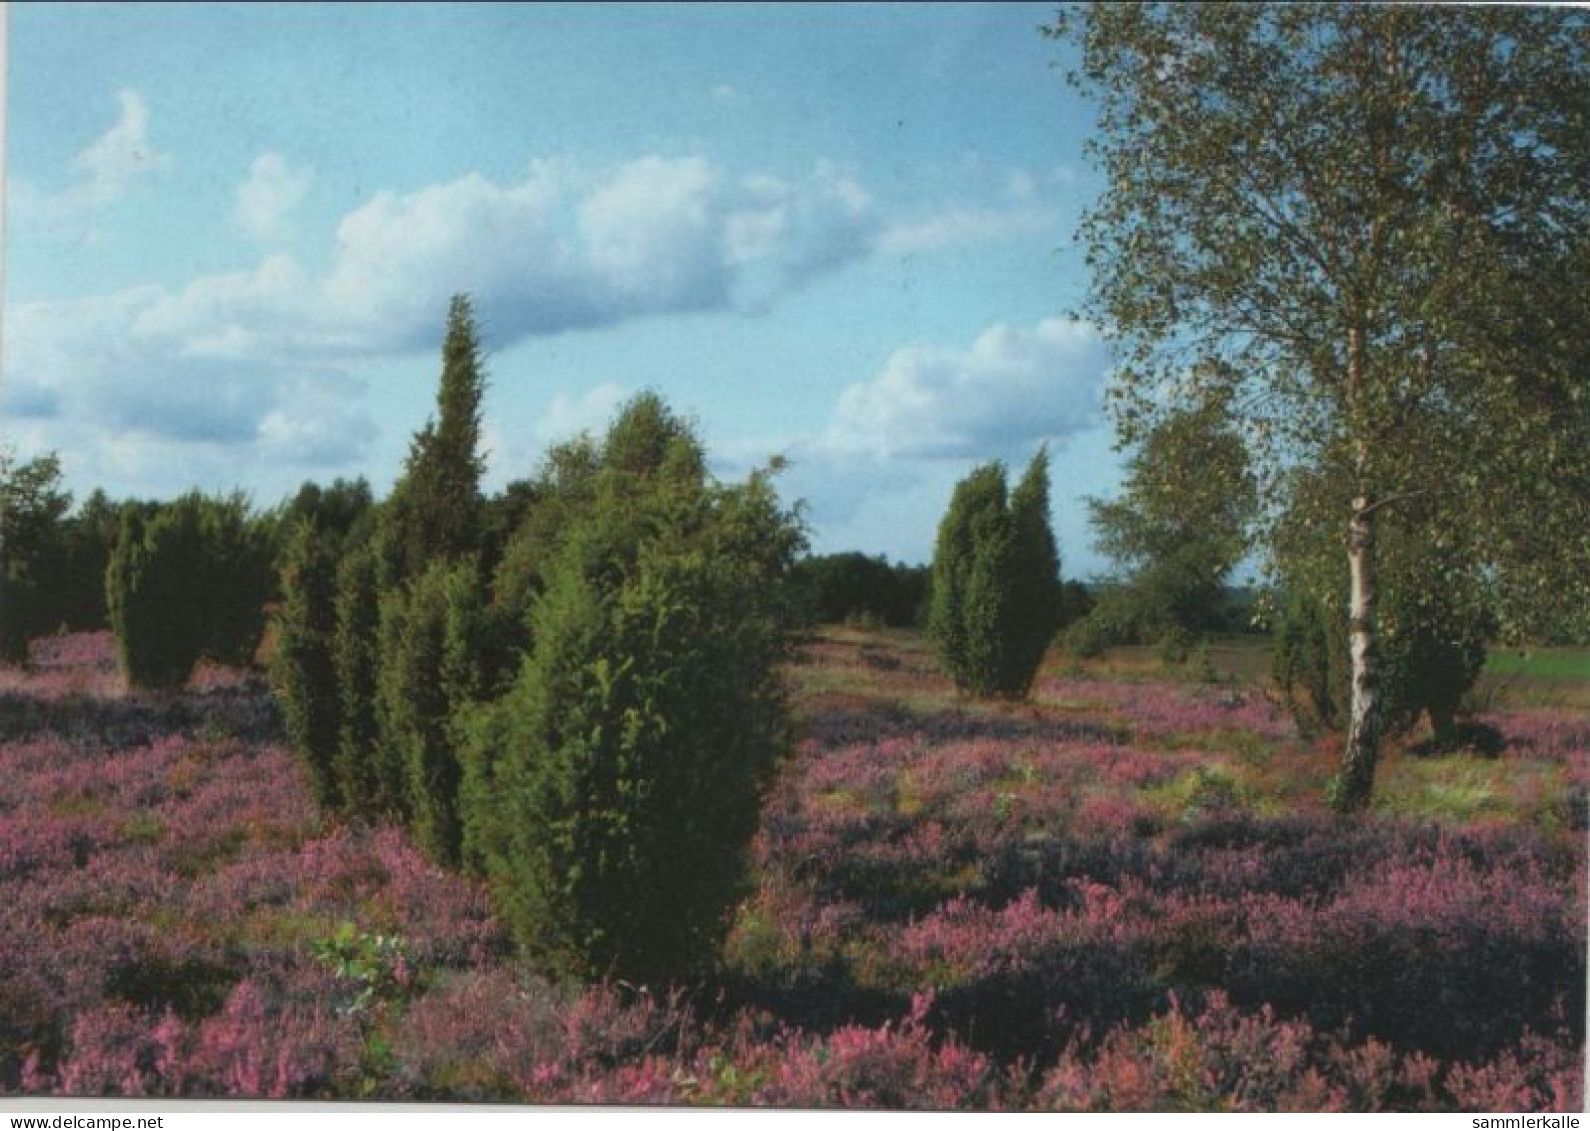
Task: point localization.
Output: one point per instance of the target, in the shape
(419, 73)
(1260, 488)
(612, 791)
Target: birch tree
(1369, 225)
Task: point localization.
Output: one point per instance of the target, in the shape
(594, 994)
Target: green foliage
(344, 513)
(489, 745)
(90, 536)
(968, 609)
(844, 588)
(369, 784)
(1035, 574)
(1431, 651)
(435, 509)
(435, 653)
(343, 510)
(647, 441)
(1076, 602)
(20, 603)
(32, 506)
(1310, 663)
(1362, 229)
(995, 596)
(613, 790)
(1175, 533)
(502, 515)
(563, 489)
(187, 579)
(376, 964)
(151, 589)
(303, 669)
(236, 578)
(389, 643)
(1434, 654)
(1433, 618)
(391, 712)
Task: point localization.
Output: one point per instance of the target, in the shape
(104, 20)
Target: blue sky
(842, 234)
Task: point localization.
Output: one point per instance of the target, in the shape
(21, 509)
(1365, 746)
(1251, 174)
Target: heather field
(1124, 895)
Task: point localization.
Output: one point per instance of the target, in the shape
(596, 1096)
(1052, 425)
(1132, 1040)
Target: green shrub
(391, 713)
(153, 589)
(236, 565)
(1310, 663)
(1036, 595)
(995, 595)
(968, 611)
(21, 603)
(303, 670)
(89, 538)
(1434, 653)
(435, 510)
(187, 579)
(342, 511)
(614, 789)
(562, 490)
(374, 964)
(414, 696)
(1114, 619)
(439, 657)
(1430, 656)
(355, 662)
(487, 745)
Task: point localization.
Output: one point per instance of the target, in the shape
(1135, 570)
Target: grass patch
(142, 828)
(1201, 791)
(1541, 663)
(1456, 789)
(1230, 659)
(73, 803)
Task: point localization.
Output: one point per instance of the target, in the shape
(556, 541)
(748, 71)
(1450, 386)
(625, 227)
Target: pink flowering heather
(1120, 896)
(1164, 710)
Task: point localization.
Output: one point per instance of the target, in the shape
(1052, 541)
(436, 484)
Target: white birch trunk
(1363, 730)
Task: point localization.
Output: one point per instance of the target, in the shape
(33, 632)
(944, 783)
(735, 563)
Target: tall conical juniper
(1035, 580)
(435, 509)
(995, 583)
(303, 670)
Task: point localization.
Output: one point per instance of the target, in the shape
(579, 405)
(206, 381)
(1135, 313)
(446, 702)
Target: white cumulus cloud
(878, 476)
(1013, 385)
(121, 154)
(256, 361)
(959, 226)
(103, 171)
(569, 247)
(570, 415)
(138, 369)
(270, 193)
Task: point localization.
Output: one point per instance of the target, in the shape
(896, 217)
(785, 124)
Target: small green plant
(376, 964)
(1210, 790)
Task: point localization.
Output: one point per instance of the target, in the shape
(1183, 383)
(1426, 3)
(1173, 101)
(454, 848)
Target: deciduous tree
(1175, 532)
(32, 505)
(1365, 226)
